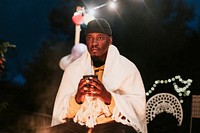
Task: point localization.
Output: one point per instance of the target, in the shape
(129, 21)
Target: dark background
(160, 36)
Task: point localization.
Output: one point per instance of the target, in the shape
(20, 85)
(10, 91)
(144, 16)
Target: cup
(89, 76)
(88, 87)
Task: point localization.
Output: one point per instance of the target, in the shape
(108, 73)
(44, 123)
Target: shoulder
(127, 63)
(118, 59)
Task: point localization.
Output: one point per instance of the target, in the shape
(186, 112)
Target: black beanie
(99, 25)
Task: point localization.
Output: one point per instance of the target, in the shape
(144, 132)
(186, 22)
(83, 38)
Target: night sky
(24, 24)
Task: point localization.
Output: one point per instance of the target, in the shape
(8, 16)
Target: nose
(94, 42)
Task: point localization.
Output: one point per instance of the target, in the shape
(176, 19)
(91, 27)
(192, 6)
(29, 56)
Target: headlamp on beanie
(99, 25)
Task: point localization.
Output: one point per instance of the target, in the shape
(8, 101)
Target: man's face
(97, 45)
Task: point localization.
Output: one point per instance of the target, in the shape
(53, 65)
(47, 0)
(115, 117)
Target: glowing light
(88, 14)
(182, 91)
(87, 18)
(91, 11)
(112, 5)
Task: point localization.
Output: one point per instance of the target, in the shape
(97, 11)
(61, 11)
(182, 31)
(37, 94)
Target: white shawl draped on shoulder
(121, 78)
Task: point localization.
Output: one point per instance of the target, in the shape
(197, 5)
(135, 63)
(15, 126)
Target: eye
(88, 38)
(100, 38)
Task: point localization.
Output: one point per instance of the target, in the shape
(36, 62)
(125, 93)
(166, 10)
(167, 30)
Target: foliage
(60, 18)
(157, 37)
(4, 46)
(43, 75)
(3, 50)
(3, 105)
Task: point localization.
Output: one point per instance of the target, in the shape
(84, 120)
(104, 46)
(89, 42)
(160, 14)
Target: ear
(110, 40)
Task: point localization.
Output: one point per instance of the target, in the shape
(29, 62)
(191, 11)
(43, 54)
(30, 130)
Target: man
(112, 102)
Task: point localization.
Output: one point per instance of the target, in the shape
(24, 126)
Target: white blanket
(121, 78)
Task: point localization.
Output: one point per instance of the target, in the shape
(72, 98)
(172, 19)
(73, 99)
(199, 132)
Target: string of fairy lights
(182, 91)
(111, 4)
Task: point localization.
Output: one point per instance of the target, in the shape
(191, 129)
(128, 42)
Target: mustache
(94, 47)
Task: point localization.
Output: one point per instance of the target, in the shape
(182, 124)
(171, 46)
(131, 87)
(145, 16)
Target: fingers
(82, 87)
(91, 87)
(95, 83)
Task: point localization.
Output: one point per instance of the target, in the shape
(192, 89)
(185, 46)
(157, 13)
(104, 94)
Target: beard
(97, 62)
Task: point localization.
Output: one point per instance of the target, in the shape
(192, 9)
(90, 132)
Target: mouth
(94, 50)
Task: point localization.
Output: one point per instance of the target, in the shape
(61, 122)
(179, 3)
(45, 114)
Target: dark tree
(42, 73)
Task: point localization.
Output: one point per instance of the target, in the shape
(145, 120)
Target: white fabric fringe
(90, 110)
